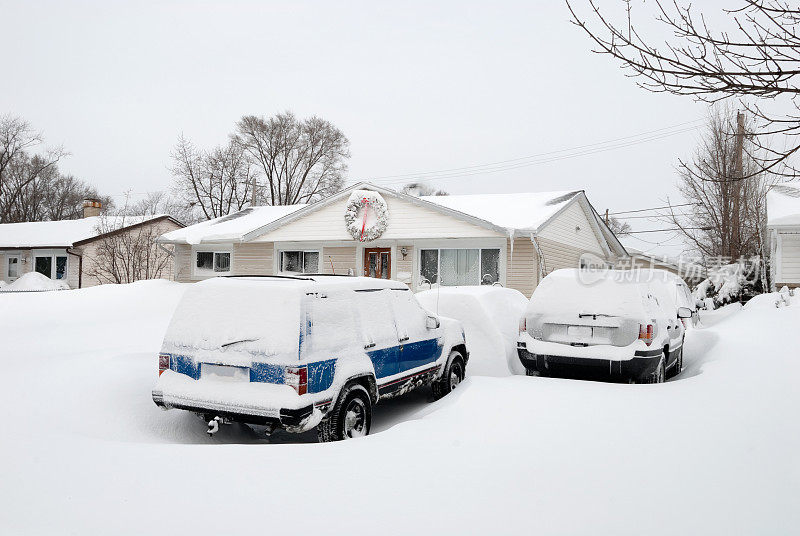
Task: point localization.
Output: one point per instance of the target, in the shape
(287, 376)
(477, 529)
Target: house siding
(343, 259)
(183, 261)
(253, 258)
(559, 255)
(89, 252)
(405, 221)
(563, 229)
(522, 266)
(788, 272)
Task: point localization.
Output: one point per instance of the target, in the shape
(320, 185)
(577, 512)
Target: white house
(63, 250)
(510, 239)
(783, 226)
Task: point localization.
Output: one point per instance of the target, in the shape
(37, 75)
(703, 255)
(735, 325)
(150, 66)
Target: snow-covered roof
(783, 205)
(61, 233)
(231, 227)
(519, 211)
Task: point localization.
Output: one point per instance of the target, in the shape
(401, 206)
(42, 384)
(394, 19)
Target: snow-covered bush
(736, 282)
(490, 316)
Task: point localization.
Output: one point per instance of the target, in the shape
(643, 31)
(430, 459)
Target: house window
(299, 262)
(13, 267)
(209, 262)
(53, 266)
(450, 267)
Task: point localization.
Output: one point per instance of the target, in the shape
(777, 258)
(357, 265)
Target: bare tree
(418, 189)
(128, 251)
(726, 214)
(617, 226)
(216, 182)
(300, 161)
(21, 172)
(157, 203)
(754, 55)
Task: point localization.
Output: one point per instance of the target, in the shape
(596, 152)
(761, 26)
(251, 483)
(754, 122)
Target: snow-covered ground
(84, 450)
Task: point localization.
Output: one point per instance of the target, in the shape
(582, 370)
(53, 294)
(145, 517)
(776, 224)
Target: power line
(666, 230)
(654, 208)
(540, 158)
(652, 217)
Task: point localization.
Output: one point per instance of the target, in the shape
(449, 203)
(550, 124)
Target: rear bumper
(640, 366)
(286, 417)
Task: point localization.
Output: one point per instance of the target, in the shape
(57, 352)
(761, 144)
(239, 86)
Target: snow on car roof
(61, 233)
(523, 211)
(231, 227)
(303, 281)
(783, 205)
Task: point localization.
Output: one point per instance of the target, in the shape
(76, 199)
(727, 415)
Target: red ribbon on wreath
(365, 202)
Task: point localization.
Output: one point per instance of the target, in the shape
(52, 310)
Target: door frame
(365, 257)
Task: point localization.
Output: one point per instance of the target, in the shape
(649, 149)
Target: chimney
(91, 207)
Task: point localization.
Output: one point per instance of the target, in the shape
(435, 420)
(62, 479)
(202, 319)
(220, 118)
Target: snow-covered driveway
(84, 450)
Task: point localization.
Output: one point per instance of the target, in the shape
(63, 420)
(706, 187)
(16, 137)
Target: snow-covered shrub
(736, 282)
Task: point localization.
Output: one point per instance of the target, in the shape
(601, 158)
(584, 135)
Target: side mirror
(684, 312)
(432, 322)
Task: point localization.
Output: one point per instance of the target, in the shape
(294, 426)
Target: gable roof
(508, 214)
(520, 212)
(62, 233)
(230, 228)
(783, 205)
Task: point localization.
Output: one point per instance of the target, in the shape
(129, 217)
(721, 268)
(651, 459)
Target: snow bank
(490, 316)
(33, 282)
(87, 449)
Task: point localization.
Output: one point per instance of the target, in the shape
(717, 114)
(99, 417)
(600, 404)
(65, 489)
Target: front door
(378, 263)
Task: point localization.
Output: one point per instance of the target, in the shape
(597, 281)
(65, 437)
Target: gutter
(80, 266)
(539, 257)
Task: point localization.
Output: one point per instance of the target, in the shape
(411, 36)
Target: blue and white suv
(299, 352)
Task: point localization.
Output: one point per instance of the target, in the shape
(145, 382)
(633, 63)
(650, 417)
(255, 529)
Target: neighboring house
(66, 249)
(783, 226)
(691, 272)
(510, 239)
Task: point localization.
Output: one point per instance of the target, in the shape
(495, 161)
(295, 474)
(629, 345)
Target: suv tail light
(297, 378)
(523, 325)
(163, 363)
(646, 333)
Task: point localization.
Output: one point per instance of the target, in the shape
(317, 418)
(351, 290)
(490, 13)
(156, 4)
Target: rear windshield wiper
(594, 315)
(236, 342)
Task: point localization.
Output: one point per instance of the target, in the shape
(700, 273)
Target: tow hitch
(213, 425)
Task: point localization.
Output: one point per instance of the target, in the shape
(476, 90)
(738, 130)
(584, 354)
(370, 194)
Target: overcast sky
(416, 87)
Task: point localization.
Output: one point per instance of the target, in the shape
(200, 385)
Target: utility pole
(736, 247)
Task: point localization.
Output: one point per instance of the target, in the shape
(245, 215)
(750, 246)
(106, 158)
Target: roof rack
(329, 275)
(295, 277)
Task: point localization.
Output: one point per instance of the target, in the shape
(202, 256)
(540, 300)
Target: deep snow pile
(86, 451)
(34, 281)
(490, 316)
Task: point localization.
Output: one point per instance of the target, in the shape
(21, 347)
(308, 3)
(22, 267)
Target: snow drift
(34, 282)
(490, 316)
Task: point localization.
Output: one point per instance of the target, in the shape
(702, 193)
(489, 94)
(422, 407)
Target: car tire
(532, 372)
(351, 416)
(453, 375)
(677, 368)
(658, 375)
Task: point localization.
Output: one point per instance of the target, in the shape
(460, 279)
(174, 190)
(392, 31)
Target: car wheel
(452, 377)
(350, 418)
(678, 366)
(660, 373)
